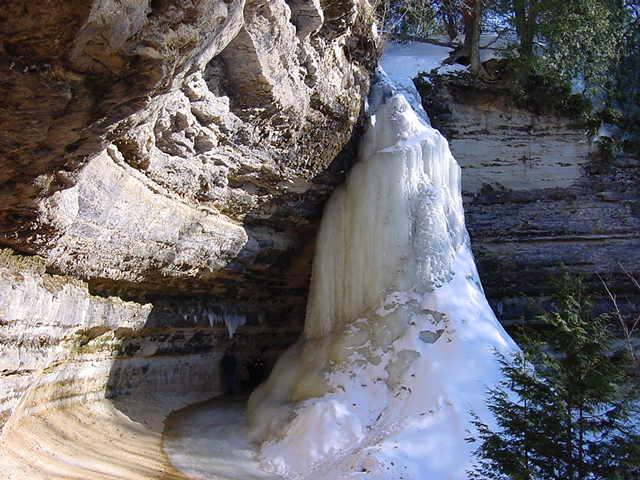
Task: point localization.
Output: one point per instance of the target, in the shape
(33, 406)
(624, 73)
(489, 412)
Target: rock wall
(537, 195)
(156, 147)
(60, 344)
(165, 163)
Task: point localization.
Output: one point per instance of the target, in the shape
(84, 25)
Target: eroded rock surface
(166, 162)
(155, 147)
(61, 345)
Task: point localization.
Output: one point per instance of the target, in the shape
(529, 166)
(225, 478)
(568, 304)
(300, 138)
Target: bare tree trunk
(569, 452)
(472, 16)
(525, 22)
(581, 472)
(469, 54)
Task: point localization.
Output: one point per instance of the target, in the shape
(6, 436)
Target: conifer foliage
(566, 409)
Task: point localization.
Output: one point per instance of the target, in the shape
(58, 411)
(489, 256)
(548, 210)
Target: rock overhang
(163, 148)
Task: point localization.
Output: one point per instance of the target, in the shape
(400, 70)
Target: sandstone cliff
(538, 194)
(167, 162)
(157, 146)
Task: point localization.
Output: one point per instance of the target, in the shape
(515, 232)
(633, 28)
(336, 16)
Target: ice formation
(230, 318)
(213, 314)
(399, 342)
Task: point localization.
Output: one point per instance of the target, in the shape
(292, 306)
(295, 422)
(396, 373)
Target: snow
(399, 343)
(403, 61)
(208, 442)
(606, 130)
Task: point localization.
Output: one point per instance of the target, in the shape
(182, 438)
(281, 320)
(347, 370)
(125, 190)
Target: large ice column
(395, 225)
(399, 343)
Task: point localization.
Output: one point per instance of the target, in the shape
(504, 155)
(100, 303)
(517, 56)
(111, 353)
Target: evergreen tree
(565, 409)
(623, 98)
(407, 18)
(583, 39)
(568, 39)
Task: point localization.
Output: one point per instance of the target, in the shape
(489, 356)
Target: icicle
(217, 314)
(233, 321)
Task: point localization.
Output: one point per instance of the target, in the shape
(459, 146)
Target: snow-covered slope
(399, 344)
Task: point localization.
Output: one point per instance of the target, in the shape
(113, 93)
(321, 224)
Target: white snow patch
(208, 441)
(403, 61)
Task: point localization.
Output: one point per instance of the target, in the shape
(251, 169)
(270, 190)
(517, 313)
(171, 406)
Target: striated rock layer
(61, 345)
(537, 194)
(166, 163)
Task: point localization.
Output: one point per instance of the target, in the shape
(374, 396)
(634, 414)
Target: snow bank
(399, 342)
(403, 61)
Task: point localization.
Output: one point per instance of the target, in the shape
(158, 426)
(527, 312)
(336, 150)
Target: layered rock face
(537, 195)
(61, 345)
(168, 162)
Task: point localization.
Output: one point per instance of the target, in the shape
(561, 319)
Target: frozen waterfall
(399, 342)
